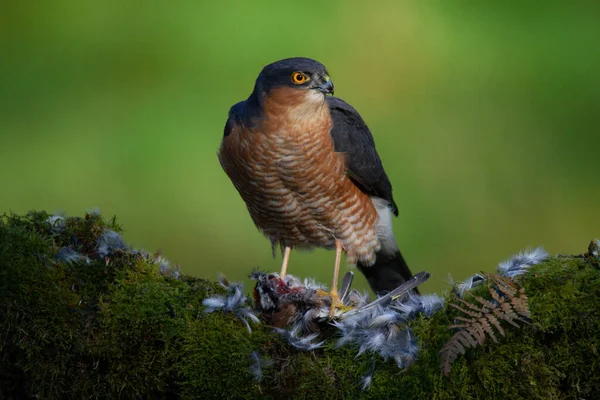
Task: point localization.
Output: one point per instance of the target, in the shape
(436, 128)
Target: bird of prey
(306, 166)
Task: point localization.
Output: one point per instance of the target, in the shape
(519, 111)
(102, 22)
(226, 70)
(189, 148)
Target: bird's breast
(295, 184)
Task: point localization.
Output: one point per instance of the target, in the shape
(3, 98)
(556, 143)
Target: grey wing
(352, 136)
(236, 113)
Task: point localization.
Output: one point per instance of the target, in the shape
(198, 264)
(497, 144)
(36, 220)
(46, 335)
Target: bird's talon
(336, 303)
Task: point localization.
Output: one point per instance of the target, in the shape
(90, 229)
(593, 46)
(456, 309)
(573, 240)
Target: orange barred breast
(293, 182)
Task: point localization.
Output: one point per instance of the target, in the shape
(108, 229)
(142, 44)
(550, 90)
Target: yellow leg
(286, 257)
(335, 298)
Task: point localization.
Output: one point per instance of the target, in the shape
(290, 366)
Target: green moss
(110, 327)
(216, 359)
(118, 328)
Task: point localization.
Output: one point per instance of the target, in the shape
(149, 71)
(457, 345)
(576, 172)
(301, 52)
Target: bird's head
(302, 76)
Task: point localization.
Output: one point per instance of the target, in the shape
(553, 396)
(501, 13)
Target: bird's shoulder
(245, 112)
(235, 117)
(347, 123)
(352, 136)
(340, 106)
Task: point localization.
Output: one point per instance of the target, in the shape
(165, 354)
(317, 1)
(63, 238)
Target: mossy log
(87, 324)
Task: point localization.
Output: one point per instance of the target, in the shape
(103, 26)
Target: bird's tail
(389, 271)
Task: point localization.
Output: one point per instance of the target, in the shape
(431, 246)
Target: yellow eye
(299, 78)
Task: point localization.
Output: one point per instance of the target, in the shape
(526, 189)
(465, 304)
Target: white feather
(384, 226)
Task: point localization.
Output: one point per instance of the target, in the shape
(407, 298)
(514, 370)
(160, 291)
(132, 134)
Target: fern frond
(473, 306)
(494, 321)
(465, 340)
(485, 324)
(486, 303)
(476, 330)
(481, 316)
(503, 284)
(496, 296)
(521, 304)
(459, 318)
(508, 314)
(457, 345)
(471, 313)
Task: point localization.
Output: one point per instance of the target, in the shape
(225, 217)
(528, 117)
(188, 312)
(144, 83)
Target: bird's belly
(303, 198)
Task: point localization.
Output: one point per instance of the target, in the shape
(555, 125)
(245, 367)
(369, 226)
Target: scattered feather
(357, 299)
(516, 265)
(431, 304)
(56, 223)
(380, 329)
(367, 379)
(304, 343)
(291, 280)
(387, 317)
(164, 266)
(308, 283)
(109, 243)
(417, 304)
(94, 211)
(234, 302)
(174, 272)
(214, 303)
(259, 363)
(450, 280)
(345, 286)
(70, 256)
(377, 327)
(163, 263)
(469, 284)
(519, 263)
(312, 284)
(399, 293)
(411, 348)
(223, 281)
(307, 322)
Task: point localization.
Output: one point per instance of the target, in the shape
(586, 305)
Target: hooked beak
(326, 87)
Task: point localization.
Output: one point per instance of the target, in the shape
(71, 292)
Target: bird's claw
(336, 303)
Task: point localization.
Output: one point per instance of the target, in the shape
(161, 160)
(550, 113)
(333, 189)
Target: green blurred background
(486, 117)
